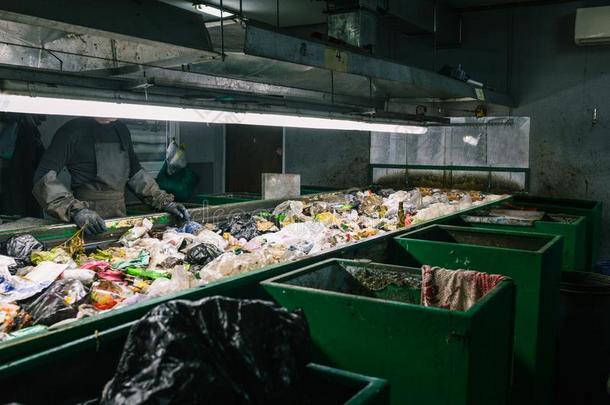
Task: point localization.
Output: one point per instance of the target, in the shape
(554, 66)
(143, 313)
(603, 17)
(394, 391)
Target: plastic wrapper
(16, 288)
(202, 254)
(141, 261)
(56, 255)
(180, 280)
(13, 317)
(58, 302)
(212, 238)
(107, 294)
(20, 248)
(83, 275)
(191, 227)
(289, 211)
(241, 226)
(216, 350)
(103, 270)
(311, 234)
(135, 233)
(175, 157)
(231, 264)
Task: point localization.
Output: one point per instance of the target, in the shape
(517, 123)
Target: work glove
(177, 210)
(90, 220)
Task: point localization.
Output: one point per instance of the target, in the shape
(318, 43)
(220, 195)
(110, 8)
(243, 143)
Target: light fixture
(215, 11)
(89, 108)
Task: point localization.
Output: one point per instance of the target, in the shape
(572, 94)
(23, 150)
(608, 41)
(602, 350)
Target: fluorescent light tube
(216, 12)
(89, 108)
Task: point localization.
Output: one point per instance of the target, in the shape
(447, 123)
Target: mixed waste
(41, 288)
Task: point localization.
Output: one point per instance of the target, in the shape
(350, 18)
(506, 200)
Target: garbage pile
(42, 288)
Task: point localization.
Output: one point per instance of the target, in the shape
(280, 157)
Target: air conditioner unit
(592, 26)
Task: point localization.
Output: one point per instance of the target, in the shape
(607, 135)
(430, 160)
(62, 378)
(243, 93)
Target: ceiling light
(89, 108)
(215, 11)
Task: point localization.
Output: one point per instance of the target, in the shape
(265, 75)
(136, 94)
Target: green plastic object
(429, 355)
(573, 232)
(591, 210)
(142, 273)
(533, 261)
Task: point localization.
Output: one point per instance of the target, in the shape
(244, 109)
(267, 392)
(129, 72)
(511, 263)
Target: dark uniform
(102, 162)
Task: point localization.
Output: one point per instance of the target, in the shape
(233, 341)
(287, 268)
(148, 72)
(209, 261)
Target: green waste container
(572, 228)
(533, 261)
(591, 210)
(88, 363)
(428, 355)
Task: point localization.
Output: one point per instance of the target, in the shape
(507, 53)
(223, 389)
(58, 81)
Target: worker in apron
(99, 154)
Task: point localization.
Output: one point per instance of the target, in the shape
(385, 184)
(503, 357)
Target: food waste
(47, 288)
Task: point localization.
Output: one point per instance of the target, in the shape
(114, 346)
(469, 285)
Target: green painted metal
(574, 237)
(591, 210)
(222, 199)
(429, 355)
(533, 261)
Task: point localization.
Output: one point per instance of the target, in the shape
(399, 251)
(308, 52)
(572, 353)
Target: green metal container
(533, 261)
(591, 210)
(429, 355)
(88, 363)
(573, 232)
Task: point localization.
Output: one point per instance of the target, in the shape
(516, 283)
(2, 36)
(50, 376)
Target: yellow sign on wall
(335, 59)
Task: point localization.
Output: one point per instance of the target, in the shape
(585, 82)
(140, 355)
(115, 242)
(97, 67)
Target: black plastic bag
(217, 350)
(58, 302)
(20, 247)
(241, 226)
(202, 254)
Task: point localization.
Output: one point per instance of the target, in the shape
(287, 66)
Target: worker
(99, 154)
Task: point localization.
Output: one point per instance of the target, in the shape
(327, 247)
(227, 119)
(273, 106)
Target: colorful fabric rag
(456, 290)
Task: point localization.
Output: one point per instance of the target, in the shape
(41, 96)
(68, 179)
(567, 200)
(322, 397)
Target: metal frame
(489, 169)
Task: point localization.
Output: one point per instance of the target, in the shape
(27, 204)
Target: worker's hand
(90, 220)
(178, 210)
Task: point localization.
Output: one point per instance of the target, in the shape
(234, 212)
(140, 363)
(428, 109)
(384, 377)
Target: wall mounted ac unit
(592, 26)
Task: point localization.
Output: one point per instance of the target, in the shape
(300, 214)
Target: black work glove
(177, 210)
(90, 220)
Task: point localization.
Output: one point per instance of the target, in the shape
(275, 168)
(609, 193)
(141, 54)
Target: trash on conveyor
(202, 254)
(146, 264)
(215, 350)
(58, 302)
(20, 248)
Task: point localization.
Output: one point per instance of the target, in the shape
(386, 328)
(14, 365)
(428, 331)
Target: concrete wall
(328, 158)
(530, 52)
(558, 84)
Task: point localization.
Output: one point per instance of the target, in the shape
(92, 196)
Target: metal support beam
(145, 21)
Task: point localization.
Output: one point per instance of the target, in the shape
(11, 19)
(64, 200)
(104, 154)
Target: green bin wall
(533, 261)
(574, 237)
(591, 210)
(429, 355)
